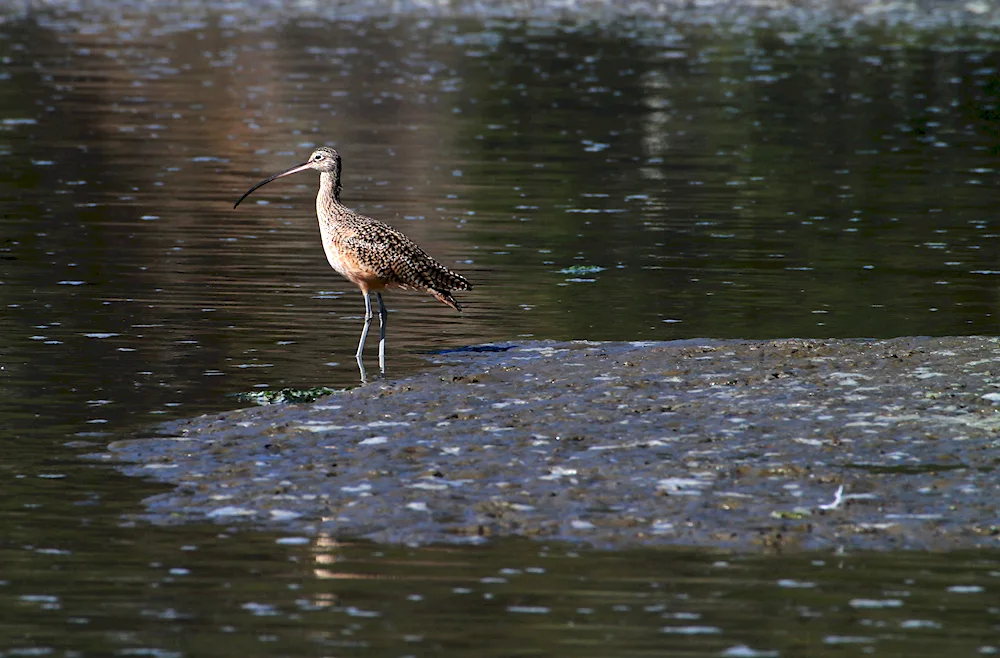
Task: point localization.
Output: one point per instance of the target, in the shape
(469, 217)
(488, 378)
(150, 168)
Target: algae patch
(286, 395)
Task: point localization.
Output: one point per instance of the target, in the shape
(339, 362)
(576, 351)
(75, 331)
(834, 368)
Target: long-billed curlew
(370, 254)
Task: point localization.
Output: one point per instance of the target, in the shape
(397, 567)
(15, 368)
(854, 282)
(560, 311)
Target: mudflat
(748, 445)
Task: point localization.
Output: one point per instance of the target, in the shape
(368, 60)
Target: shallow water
(614, 180)
(205, 593)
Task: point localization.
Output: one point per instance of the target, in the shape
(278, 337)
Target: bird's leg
(381, 340)
(364, 335)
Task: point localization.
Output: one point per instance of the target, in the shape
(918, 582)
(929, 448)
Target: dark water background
(743, 178)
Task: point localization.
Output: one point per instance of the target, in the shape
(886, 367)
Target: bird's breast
(352, 264)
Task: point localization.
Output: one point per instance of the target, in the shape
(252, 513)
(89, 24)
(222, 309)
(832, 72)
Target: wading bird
(370, 254)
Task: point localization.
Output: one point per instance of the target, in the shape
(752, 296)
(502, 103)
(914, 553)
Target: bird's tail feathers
(444, 296)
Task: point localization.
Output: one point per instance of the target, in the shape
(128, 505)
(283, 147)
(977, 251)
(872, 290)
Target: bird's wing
(393, 258)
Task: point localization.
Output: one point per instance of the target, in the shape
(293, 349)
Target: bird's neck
(329, 188)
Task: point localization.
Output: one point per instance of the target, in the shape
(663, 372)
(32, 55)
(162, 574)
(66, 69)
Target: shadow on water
(616, 180)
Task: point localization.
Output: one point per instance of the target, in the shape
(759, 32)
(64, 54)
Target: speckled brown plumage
(372, 254)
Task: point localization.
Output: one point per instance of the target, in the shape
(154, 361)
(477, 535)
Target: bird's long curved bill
(288, 172)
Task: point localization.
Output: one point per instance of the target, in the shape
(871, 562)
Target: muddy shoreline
(744, 445)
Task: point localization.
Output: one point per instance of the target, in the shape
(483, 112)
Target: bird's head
(322, 159)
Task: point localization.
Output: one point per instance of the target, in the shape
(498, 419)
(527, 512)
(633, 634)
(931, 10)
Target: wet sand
(748, 445)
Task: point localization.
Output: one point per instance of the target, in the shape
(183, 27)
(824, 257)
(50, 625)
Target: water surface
(599, 179)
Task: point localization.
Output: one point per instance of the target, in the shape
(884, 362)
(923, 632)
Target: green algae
(286, 395)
